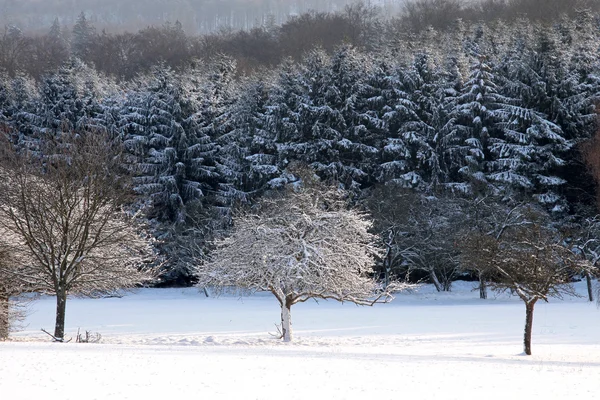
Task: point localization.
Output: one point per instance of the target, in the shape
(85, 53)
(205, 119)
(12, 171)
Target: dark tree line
(441, 14)
(124, 54)
(202, 16)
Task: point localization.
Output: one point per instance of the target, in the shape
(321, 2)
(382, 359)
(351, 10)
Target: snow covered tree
(417, 152)
(172, 161)
(357, 151)
(527, 157)
(536, 148)
(67, 99)
(248, 149)
(21, 112)
(477, 113)
(385, 110)
(427, 134)
(300, 245)
(217, 99)
(315, 126)
(283, 116)
(170, 131)
(6, 101)
(58, 106)
(64, 212)
(320, 123)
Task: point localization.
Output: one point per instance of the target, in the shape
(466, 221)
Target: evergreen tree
(477, 113)
(283, 117)
(356, 147)
(83, 37)
(386, 112)
(539, 134)
(320, 125)
(22, 112)
(431, 131)
(5, 100)
(215, 97)
(249, 147)
(68, 100)
(171, 160)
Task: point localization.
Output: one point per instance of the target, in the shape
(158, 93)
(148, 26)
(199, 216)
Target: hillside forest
(440, 122)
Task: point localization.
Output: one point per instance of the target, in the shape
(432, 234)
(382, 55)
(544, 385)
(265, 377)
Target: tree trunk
(435, 280)
(482, 287)
(61, 306)
(4, 310)
(447, 284)
(387, 260)
(588, 280)
(387, 276)
(528, 325)
(286, 321)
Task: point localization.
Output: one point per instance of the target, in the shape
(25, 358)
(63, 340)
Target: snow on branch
(304, 244)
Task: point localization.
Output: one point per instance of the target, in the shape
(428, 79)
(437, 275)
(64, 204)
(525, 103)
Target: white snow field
(175, 343)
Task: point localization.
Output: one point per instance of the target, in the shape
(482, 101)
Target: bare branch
(61, 213)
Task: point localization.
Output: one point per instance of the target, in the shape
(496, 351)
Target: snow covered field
(171, 343)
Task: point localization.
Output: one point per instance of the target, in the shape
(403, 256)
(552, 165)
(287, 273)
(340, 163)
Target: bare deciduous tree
(390, 208)
(432, 226)
(435, 13)
(5, 286)
(418, 233)
(303, 245)
(62, 209)
(11, 310)
(486, 219)
(13, 45)
(12, 305)
(528, 258)
(590, 150)
(587, 242)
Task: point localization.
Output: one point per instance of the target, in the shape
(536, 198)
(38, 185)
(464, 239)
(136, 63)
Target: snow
(171, 343)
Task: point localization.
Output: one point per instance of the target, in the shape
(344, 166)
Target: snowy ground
(167, 343)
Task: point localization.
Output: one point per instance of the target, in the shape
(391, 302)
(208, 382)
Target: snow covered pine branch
(300, 245)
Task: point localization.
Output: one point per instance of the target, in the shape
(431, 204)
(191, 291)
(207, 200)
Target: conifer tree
(249, 148)
(172, 163)
(387, 112)
(477, 114)
(83, 36)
